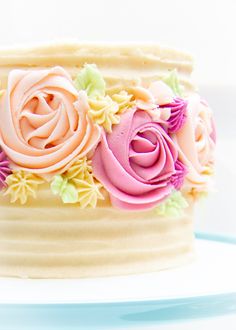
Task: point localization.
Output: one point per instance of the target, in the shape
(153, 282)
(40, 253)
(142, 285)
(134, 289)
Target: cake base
(67, 242)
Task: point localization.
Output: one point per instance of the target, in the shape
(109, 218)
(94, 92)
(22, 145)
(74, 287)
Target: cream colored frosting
(122, 66)
(47, 241)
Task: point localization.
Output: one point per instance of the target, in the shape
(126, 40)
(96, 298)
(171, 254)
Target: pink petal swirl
(178, 114)
(181, 171)
(136, 162)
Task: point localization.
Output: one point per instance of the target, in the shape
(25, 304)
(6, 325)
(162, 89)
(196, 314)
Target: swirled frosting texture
(136, 161)
(196, 141)
(44, 123)
(177, 115)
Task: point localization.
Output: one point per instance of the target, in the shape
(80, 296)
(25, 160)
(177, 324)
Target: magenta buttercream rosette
(4, 169)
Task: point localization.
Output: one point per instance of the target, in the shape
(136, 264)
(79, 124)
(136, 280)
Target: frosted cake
(104, 151)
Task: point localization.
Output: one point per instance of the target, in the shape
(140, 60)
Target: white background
(205, 28)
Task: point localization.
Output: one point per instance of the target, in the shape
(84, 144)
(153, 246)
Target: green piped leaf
(173, 206)
(69, 194)
(57, 184)
(172, 80)
(90, 80)
(67, 191)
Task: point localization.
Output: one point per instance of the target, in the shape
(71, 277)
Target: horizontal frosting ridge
(107, 242)
(120, 65)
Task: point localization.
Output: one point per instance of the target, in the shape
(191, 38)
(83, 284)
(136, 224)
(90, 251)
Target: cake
(104, 150)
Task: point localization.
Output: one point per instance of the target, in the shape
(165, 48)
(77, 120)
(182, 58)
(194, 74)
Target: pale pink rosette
(159, 101)
(44, 124)
(136, 162)
(196, 141)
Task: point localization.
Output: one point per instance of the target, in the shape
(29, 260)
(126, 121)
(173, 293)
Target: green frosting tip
(173, 206)
(172, 80)
(67, 191)
(90, 80)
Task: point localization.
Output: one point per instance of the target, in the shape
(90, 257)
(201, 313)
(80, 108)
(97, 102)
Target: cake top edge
(125, 49)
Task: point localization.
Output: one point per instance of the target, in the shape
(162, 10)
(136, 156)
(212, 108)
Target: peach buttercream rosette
(44, 123)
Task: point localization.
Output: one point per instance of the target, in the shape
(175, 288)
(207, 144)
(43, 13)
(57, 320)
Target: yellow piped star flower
(196, 194)
(104, 112)
(77, 185)
(88, 191)
(22, 185)
(124, 101)
(80, 169)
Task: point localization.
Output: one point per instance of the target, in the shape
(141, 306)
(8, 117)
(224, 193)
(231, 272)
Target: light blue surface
(118, 315)
(216, 237)
(114, 315)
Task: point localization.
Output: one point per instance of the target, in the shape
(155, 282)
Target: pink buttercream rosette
(136, 163)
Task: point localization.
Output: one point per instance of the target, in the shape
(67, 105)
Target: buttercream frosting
(136, 161)
(124, 100)
(173, 206)
(122, 66)
(104, 112)
(43, 240)
(172, 80)
(178, 177)
(22, 185)
(196, 142)
(79, 169)
(77, 185)
(91, 81)
(122, 133)
(178, 114)
(44, 122)
(61, 186)
(4, 169)
(88, 191)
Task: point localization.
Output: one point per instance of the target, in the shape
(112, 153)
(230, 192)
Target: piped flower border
(164, 104)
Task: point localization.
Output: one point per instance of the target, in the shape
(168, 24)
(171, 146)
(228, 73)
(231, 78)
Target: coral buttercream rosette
(145, 147)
